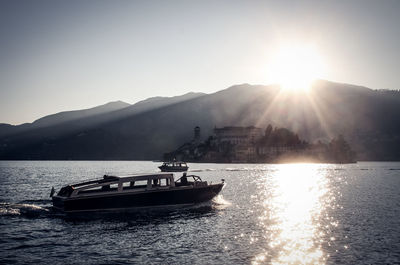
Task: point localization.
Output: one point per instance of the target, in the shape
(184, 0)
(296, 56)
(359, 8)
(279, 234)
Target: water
(267, 214)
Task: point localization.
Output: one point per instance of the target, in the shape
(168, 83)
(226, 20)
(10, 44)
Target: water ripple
(267, 214)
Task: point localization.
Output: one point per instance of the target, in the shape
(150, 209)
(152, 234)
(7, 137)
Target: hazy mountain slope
(6, 129)
(368, 119)
(66, 116)
(23, 136)
(70, 121)
(62, 117)
(158, 102)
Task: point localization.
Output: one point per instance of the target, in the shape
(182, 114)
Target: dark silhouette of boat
(114, 193)
(173, 167)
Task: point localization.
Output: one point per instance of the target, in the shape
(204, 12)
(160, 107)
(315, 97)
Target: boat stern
(58, 202)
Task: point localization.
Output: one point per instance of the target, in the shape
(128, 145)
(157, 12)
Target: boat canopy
(113, 183)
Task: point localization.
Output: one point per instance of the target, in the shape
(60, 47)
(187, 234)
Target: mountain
(368, 119)
(62, 117)
(67, 116)
(71, 121)
(14, 139)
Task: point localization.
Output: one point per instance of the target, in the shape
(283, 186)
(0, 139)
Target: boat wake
(220, 203)
(144, 216)
(23, 209)
(202, 170)
(43, 209)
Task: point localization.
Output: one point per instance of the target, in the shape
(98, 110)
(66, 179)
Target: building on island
(237, 143)
(251, 144)
(238, 135)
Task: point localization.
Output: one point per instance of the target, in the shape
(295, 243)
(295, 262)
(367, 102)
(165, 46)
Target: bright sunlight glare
(297, 195)
(295, 67)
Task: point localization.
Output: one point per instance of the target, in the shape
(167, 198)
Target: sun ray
(319, 113)
(277, 98)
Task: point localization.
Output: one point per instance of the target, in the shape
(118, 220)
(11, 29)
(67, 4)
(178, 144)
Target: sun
(295, 67)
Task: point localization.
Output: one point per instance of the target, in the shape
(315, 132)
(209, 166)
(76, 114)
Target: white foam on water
(18, 209)
(220, 203)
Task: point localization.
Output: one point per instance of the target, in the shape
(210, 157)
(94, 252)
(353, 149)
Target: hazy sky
(65, 55)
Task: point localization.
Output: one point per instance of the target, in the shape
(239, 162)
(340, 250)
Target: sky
(66, 55)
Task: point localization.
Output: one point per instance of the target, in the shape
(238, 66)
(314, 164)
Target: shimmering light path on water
(293, 207)
(267, 214)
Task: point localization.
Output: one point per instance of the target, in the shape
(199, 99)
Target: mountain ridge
(109, 110)
(367, 118)
(64, 116)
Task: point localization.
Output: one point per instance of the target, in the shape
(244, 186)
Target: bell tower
(196, 134)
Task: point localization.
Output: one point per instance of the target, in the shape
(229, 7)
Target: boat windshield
(185, 179)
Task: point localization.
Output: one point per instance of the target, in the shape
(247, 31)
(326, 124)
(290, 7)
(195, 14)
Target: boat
(173, 167)
(113, 193)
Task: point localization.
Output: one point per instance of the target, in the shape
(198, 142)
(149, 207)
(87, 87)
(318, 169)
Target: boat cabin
(175, 164)
(119, 184)
(128, 184)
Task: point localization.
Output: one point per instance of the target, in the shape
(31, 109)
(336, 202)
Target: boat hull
(125, 201)
(173, 169)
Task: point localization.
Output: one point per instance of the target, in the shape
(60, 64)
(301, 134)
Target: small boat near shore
(173, 167)
(114, 193)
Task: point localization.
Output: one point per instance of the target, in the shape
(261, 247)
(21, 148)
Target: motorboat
(173, 167)
(113, 193)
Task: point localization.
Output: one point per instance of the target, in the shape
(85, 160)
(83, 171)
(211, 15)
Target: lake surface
(267, 214)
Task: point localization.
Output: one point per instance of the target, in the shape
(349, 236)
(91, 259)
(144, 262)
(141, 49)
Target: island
(234, 144)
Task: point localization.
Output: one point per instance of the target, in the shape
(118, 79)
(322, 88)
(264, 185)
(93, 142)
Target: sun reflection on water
(292, 212)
